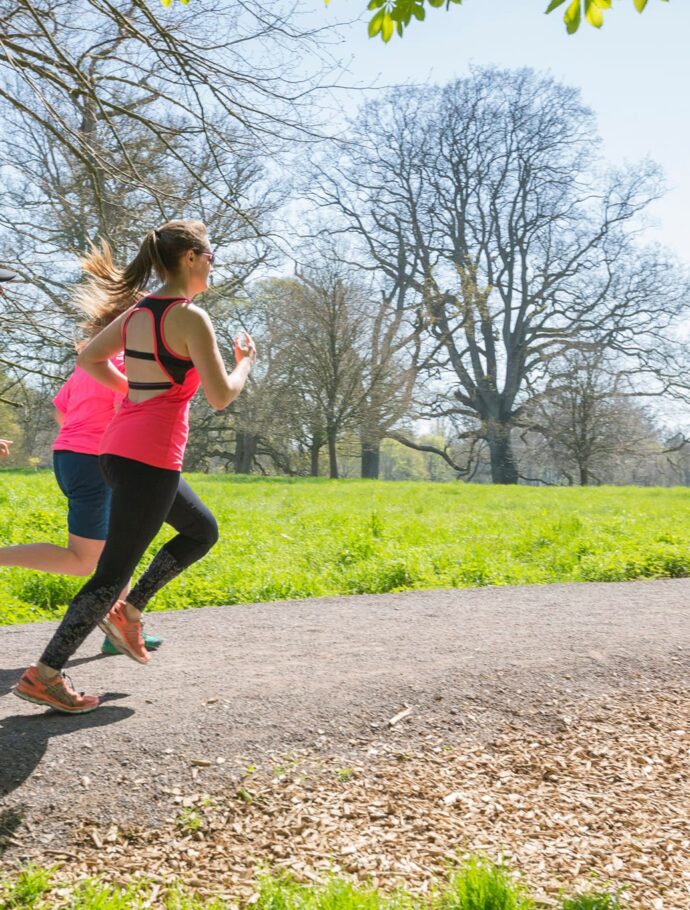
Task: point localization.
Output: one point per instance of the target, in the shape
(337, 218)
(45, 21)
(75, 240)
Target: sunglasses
(211, 256)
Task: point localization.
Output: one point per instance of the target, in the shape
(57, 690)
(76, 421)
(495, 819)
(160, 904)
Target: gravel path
(244, 684)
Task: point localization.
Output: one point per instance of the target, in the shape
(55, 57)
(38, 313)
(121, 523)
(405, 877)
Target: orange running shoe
(56, 693)
(125, 634)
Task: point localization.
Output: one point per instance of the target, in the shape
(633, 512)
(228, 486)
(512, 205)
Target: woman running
(170, 349)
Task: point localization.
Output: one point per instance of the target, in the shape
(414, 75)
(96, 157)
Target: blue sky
(634, 74)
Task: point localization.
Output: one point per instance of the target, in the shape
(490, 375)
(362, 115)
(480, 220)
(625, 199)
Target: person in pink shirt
(83, 410)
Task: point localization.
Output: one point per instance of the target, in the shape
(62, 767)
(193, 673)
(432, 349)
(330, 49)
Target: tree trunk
(503, 467)
(245, 449)
(315, 450)
(332, 456)
(371, 452)
(584, 475)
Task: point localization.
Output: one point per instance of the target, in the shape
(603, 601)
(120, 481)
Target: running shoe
(56, 693)
(151, 643)
(125, 634)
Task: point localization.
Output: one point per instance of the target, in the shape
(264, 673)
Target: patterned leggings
(144, 498)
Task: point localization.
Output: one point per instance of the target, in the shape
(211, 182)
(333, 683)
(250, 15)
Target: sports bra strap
(150, 385)
(140, 355)
(175, 366)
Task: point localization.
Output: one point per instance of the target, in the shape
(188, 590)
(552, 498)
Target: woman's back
(152, 424)
(155, 345)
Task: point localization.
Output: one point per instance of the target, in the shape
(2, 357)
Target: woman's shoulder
(189, 314)
(188, 326)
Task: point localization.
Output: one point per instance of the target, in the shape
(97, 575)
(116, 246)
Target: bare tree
(9, 423)
(264, 431)
(92, 64)
(484, 203)
(590, 419)
(115, 118)
(390, 345)
(49, 211)
(676, 454)
(314, 321)
(345, 356)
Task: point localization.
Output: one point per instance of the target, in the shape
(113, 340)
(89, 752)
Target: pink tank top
(155, 431)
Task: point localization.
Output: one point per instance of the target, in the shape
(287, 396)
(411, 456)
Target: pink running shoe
(125, 634)
(56, 693)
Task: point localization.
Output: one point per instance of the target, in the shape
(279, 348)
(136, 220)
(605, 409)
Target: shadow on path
(24, 738)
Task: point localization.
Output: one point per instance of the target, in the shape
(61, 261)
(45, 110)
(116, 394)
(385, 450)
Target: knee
(206, 534)
(84, 566)
(211, 532)
(85, 555)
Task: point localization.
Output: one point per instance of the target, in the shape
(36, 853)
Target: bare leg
(79, 557)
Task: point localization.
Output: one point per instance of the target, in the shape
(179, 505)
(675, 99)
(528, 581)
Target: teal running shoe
(152, 642)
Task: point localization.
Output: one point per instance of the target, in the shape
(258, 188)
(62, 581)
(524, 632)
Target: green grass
(484, 886)
(592, 902)
(189, 820)
(478, 885)
(27, 889)
(284, 538)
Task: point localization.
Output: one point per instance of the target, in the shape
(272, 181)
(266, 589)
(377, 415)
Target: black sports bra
(175, 366)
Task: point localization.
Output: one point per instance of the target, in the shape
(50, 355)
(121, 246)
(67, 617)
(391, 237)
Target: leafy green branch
(391, 16)
(593, 11)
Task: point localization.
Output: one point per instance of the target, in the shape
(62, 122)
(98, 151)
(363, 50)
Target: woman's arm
(94, 358)
(219, 387)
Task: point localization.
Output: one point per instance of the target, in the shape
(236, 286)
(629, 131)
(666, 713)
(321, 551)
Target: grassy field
(294, 538)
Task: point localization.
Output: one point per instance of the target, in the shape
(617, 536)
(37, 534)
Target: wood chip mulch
(600, 801)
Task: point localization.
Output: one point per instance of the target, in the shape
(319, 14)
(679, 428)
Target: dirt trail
(248, 684)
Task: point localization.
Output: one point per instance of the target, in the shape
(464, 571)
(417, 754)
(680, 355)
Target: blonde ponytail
(108, 291)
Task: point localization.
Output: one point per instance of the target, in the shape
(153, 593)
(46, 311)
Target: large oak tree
(487, 203)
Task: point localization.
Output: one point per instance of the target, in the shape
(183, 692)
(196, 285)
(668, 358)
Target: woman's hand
(245, 347)
(200, 339)
(5, 447)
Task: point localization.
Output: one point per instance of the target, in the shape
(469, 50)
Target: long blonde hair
(108, 291)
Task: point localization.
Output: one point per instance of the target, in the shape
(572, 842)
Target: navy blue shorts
(80, 479)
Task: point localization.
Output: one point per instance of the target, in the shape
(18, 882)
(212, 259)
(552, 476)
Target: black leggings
(143, 499)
